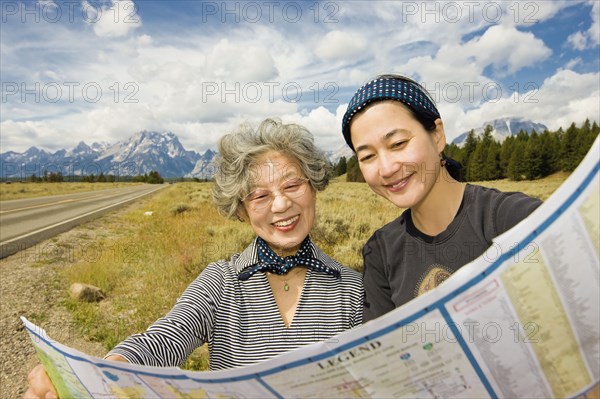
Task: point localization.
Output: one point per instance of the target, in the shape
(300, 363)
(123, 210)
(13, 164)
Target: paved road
(26, 222)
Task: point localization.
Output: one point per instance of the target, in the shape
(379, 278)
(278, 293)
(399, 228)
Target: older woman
(279, 293)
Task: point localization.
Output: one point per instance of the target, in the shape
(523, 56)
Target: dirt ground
(32, 286)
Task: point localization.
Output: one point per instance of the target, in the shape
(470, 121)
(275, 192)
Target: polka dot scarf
(269, 261)
(385, 88)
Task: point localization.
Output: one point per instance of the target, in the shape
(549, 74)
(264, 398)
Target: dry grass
(347, 215)
(153, 260)
(30, 190)
(541, 189)
(150, 260)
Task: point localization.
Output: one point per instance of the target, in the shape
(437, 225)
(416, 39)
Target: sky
(100, 71)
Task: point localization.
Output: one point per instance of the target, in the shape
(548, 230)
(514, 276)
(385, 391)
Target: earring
(442, 161)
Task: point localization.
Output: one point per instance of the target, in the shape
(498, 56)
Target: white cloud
(591, 37)
(563, 98)
(456, 73)
(354, 76)
(509, 48)
(578, 40)
(324, 125)
(568, 97)
(144, 40)
(19, 136)
(594, 31)
(341, 46)
(50, 5)
(530, 12)
(505, 48)
(114, 20)
(241, 61)
(573, 63)
(442, 76)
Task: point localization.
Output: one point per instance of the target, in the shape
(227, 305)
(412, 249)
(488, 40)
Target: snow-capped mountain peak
(503, 128)
(205, 166)
(80, 149)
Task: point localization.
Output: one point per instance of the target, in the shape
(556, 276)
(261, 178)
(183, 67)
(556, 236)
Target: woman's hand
(40, 386)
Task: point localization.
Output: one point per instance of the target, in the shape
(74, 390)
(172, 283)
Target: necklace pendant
(286, 287)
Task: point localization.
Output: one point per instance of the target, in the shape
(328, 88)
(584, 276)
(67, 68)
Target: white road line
(49, 204)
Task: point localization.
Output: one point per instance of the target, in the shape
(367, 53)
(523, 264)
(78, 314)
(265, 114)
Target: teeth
(285, 223)
(400, 182)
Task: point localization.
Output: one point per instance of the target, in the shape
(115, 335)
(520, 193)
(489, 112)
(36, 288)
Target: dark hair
(421, 106)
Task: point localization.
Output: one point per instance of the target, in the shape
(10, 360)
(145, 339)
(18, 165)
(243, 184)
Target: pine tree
(516, 167)
(550, 148)
(353, 170)
(533, 157)
(505, 153)
(154, 178)
(555, 140)
(476, 163)
(468, 149)
(453, 151)
(595, 130)
(586, 138)
(476, 170)
(491, 167)
(569, 151)
(340, 167)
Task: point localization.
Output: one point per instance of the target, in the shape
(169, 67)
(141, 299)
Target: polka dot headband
(388, 88)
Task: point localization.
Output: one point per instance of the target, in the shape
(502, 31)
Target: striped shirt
(240, 319)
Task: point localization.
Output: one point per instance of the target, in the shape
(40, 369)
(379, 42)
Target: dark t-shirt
(400, 262)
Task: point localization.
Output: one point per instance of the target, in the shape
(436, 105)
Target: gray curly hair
(240, 151)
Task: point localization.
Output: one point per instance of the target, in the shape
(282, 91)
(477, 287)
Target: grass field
(22, 190)
(149, 260)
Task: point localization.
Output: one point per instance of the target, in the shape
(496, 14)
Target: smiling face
(398, 158)
(285, 221)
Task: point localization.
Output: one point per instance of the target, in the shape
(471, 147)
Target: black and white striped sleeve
(171, 339)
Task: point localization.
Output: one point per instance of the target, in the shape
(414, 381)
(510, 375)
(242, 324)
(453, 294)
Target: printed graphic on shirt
(435, 275)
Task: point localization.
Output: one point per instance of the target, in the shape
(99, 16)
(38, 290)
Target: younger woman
(398, 135)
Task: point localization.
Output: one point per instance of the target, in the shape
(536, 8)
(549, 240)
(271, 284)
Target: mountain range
(148, 151)
(141, 153)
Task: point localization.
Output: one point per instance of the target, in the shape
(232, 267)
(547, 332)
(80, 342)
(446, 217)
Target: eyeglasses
(261, 198)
